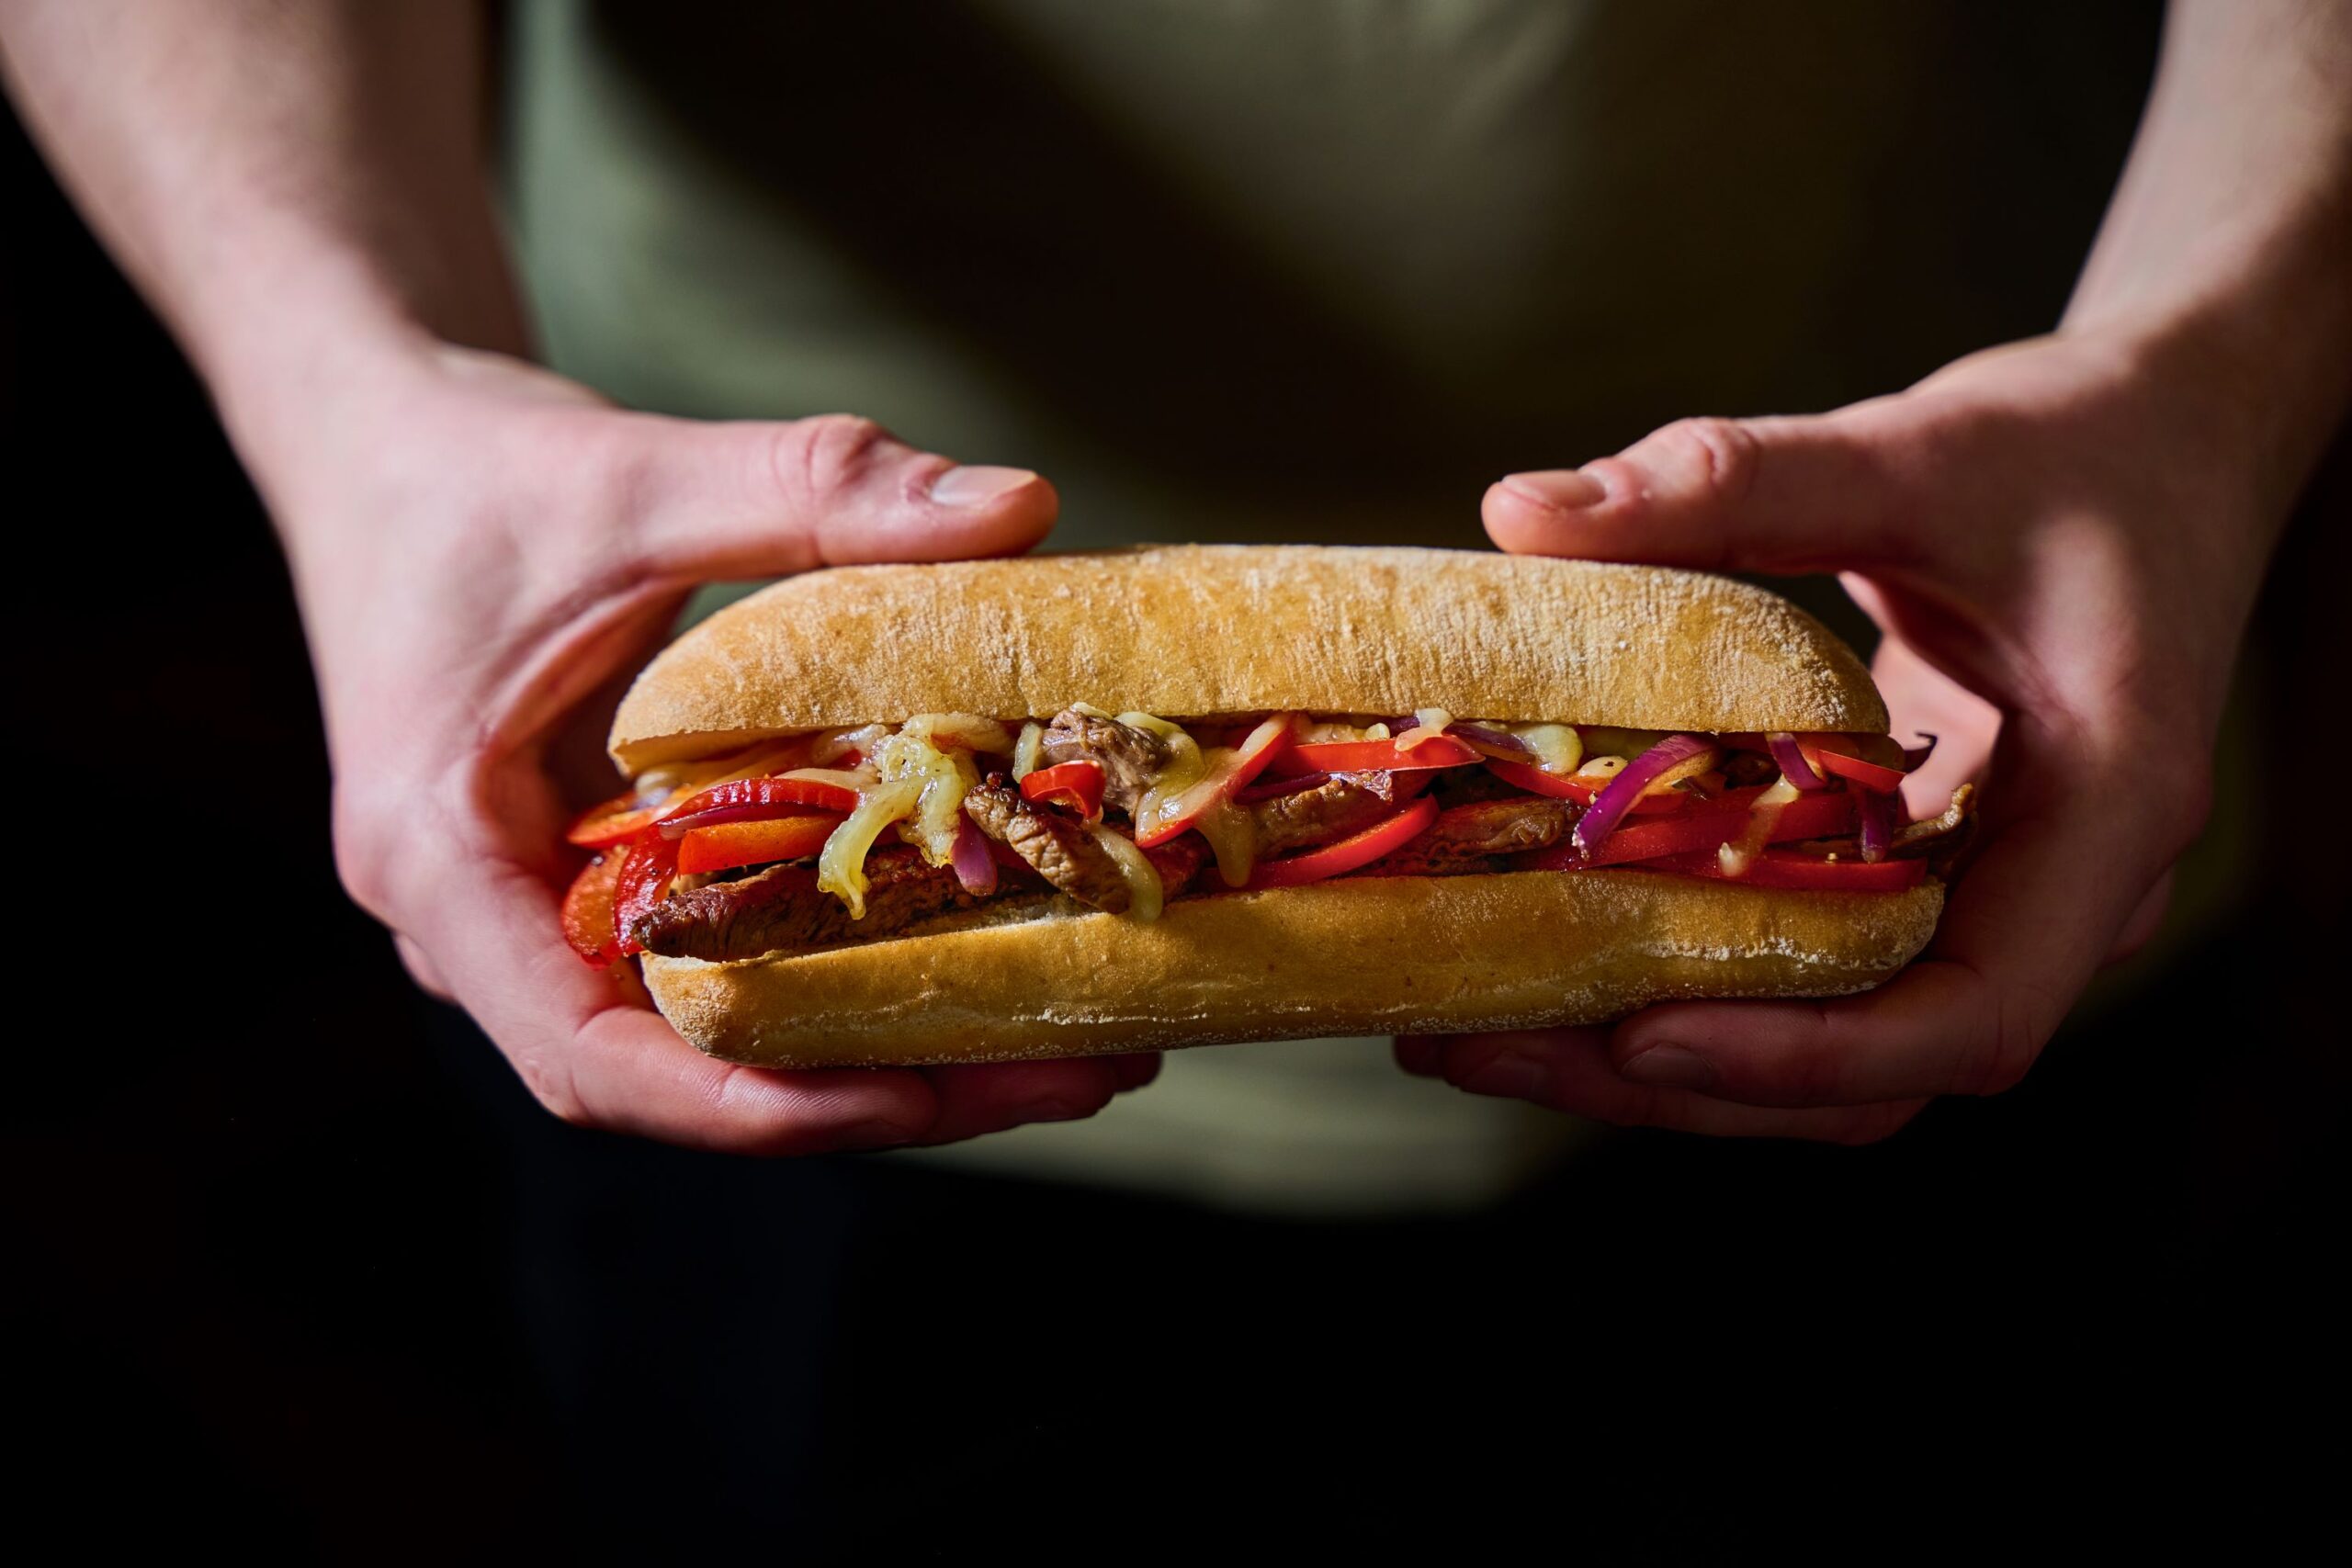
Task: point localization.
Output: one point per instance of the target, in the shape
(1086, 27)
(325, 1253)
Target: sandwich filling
(835, 836)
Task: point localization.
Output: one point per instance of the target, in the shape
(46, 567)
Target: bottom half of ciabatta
(1365, 956)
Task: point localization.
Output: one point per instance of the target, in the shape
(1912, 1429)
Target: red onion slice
(1274, 789)
(1487, 740)
(1601, 816)
(1878, 813)
(1794, 767)
(975, 867)
(1915, 756)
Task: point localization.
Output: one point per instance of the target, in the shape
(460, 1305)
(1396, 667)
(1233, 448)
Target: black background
(293, 1264)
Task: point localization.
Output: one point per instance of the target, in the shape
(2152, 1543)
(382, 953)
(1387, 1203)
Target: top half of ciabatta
(1195, 631)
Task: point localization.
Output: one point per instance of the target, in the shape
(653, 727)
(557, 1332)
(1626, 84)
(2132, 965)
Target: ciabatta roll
(1175, 796)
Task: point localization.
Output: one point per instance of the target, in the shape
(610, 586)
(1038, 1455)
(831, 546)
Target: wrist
(2235, 425)
(2252, 377)
(297, 382)
(302, 330)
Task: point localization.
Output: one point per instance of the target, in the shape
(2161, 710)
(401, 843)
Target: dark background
(292, 1263)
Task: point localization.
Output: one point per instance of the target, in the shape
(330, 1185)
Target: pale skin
(2062, 540)
(483, 549)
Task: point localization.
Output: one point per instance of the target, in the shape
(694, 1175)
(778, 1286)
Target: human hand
(2060, 546)
(485, 552)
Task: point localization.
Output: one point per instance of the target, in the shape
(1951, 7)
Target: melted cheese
(1145, 895)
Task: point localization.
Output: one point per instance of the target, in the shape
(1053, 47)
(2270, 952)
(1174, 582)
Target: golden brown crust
(1199, 630)
(1365, 955)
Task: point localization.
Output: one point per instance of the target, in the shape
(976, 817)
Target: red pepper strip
(1535, 781)
(623, 817)
(1079, 784)
(1879, 750)
(727, 845)
(1870, 776)
(1374, 757)
(1385, 837)
(1228, 773)
(748, 800)
(1783, 869)
(588, 910)
(1703, 831)
(645, 880)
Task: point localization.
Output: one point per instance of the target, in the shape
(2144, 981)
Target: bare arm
(2230, 236)
(481, 548)
(265, 171)
(2060, 540)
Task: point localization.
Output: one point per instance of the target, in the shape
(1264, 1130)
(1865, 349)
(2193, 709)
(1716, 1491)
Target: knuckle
(1873, 1124)
(825, 453)
(420, 965)
(1815, 1066)
(2008, 1050)
(1958, 430)
(1720, 455)
(363, 861)
(556, 1094)
(1814, 1075)
(1629, 486)
(629, 474)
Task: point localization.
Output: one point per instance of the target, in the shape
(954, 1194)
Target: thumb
(757, 498)
(1780, 494)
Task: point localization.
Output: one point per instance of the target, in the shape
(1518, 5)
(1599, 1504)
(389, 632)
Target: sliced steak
(1179, 861)
(783, 909)
(1131, 759)
(1942, 837)
(1466, 839)
(1939, 839)
(1462, 786)
(1341, 805)
(1058, 848)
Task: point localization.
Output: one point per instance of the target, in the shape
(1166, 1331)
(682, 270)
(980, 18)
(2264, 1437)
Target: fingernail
(1567, 488)
(977, 486)
(1668, 1067)
(1510, 1076)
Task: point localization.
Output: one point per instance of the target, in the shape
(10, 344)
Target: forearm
(297, 188)
(2228, 248)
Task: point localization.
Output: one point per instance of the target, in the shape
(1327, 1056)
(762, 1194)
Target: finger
(756, 499)
(990, 1097)
(626, 1071)
(1136, 1070)
(2144, 922)
(2021, 933)
(1922, 700)
(1421, 1055)
(421, 968)
(1779, 494)
(1569, 1069)
(595, 1059)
